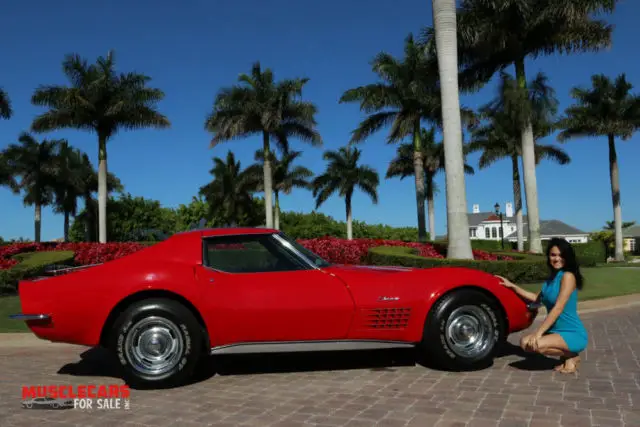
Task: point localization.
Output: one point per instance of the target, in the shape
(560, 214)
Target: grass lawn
(599, 283)
(604, 283)
(10, 305)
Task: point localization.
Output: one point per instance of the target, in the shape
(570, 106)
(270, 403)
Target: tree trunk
(615, 197)
(89, 219)
(432, 210)
(418, 172)
(347, 201)
(66, 226)
(276, 212)
(444, 19)
(529, 169)
(268, 181)
(517, 200)
(38, 222)
(102, 188)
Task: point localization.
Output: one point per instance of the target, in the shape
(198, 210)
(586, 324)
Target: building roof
(551, 227)
(476, 219)
(631, 231)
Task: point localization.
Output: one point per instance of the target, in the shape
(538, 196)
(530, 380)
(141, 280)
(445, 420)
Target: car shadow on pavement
(529, 361)
(97, 362)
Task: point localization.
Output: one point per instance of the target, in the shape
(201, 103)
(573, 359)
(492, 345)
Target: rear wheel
(158, 343)
(463, 330)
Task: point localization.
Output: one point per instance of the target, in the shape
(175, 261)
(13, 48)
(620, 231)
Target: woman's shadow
(529, 361)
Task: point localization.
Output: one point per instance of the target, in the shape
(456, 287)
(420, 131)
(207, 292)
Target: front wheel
(463, 330)
(158, 343)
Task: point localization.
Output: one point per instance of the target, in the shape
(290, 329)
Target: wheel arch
(472, 287)
(123, 304)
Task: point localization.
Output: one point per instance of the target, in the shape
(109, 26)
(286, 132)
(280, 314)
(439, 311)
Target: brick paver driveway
(362, 389)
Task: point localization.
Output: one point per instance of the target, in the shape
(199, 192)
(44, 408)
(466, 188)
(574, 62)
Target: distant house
(631, 239)
(486, 226)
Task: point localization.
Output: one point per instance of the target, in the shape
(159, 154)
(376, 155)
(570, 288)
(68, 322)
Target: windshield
(314, 258)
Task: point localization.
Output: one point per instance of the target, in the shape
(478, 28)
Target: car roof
(228, 231)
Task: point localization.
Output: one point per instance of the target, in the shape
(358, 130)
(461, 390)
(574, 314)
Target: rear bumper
(26, 317)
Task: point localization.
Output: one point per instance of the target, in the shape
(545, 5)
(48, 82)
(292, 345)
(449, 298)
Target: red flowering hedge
(85, 253)
(339, 251)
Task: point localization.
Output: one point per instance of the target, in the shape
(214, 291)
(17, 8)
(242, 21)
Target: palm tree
(99, 100)
(408, 94)
(35, 163)
(432, 155)
(89, 178)
(7, 176)
(229, 194)
(285, 179)
(259, 105)
(344, 174)
(445, 27)
(5, 105)
(69, 184)
(500, 138)
(497, 34)
(606, 109)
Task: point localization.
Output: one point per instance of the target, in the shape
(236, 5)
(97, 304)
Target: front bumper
(533, 308)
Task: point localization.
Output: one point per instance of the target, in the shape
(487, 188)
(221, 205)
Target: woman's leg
(554, 345)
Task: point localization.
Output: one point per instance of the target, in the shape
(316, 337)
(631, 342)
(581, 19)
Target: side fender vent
(387, 318)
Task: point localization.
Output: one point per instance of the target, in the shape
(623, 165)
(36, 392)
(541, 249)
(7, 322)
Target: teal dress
(568, 325)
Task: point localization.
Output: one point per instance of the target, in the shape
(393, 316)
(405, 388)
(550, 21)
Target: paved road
(363, 389)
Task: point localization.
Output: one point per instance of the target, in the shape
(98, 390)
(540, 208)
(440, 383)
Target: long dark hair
(569, 256)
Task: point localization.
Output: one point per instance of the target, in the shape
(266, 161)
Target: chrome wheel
(154, 346)
(469, 330)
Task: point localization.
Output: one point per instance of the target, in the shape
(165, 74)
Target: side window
(259, 253)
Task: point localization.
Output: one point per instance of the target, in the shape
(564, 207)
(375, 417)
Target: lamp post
(497, 208)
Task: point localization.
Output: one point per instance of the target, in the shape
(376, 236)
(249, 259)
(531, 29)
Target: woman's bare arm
(529, 296)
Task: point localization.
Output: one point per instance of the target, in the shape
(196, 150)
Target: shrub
(591, 253)
(519, 269)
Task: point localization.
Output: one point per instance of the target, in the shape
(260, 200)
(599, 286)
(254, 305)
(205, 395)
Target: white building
(486, 226)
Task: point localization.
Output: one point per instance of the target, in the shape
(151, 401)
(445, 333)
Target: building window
(472, 232)
(632, 245)
(494, 232)
(487, 233)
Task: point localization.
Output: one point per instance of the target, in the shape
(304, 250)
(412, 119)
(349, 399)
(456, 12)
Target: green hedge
(524, 269)
(589, 254)
(31, 264)
(483, 245)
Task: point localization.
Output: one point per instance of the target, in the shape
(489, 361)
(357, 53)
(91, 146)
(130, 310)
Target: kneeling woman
(562, 332)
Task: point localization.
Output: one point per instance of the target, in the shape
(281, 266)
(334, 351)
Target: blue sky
(193, 48)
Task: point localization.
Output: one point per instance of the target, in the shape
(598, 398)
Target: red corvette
(253, 290)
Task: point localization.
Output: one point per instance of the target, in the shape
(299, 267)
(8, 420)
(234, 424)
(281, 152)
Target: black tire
(174, 321)
(464, 307)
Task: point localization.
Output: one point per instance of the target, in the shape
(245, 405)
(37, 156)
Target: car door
(257, 290)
